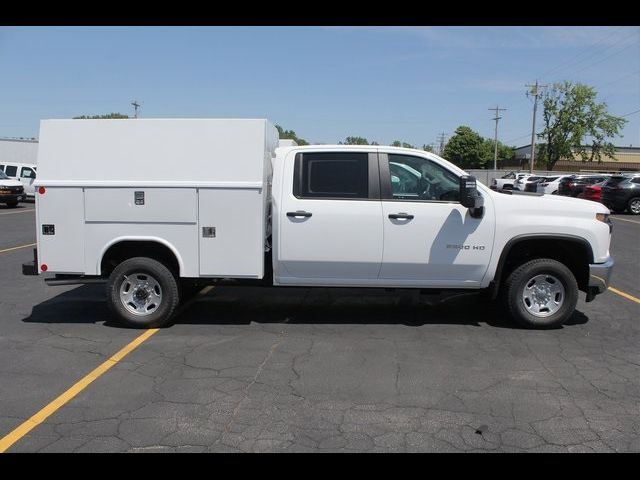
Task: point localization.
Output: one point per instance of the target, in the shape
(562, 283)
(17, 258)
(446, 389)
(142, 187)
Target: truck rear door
(330, 229)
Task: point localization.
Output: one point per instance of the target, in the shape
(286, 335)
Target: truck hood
(9, 183)
(555, 204)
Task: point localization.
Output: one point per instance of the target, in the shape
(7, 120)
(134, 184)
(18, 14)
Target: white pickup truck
(156, 207)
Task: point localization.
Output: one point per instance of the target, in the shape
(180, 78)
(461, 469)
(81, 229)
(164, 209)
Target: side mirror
(469, 196)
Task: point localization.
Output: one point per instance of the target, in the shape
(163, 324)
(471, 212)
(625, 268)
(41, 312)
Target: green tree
(354, 141)
(505, 152)
(98, 117)
(398, 143)
(290, 135)
(466, 149)
(571, 115)
(427, 148)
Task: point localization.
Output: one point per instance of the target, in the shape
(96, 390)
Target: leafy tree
(291, 135)
(466, 148)
(505, 152)
(98, 117)
(427, 148)
(571, 114)
(398, 143)
(354, 141)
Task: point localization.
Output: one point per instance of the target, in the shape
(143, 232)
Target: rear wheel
(634, 206)
(541, 293)
(142, 293)
(12, 204)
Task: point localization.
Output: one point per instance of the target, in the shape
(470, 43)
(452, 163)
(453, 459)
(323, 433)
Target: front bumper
(599, 275)
(12, 197)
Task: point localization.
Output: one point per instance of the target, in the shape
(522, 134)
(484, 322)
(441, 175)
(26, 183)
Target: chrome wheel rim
(635, 206)
(543, 295)
(140, 293)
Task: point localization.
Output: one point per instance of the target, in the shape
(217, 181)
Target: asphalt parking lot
(248, 369)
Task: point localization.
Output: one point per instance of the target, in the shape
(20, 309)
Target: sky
(326, 83)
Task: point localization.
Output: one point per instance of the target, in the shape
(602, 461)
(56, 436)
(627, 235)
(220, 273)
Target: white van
(25, 173)
(11, 191)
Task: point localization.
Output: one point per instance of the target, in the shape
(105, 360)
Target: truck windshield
(3, 176)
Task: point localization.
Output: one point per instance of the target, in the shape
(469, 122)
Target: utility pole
(535, 92)
(441, 138)
(496, 118)
(135, 105)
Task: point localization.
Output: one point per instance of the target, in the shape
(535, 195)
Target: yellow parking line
(62, 400)
(625, 295)
(17, 248)
(626, 220)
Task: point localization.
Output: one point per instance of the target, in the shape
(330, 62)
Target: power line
(628, 114)
(606, 58)
(619, 78)
(574, 62)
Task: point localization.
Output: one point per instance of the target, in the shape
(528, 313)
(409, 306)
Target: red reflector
(41, 190)
(44, 267)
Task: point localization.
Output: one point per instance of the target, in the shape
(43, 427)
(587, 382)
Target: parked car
(25, 173)
(592, 192)
(575, 184)
(11, 191)
(521, 180)
(531, 183)
(550, 184)
(506, 181)
(622, 192)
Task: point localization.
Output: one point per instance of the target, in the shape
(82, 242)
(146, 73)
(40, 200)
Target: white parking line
(18, 211)
(626, 220)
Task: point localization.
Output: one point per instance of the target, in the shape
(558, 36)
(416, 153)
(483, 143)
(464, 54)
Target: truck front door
(330, 220)
(430, 239)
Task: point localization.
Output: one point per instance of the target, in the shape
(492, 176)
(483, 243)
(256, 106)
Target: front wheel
(634, 206)
(12, 204)
(541, 293)
(142, 293)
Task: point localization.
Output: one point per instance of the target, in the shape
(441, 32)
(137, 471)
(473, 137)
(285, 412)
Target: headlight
(603, 217)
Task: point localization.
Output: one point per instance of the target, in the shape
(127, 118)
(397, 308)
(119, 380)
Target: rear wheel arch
(122, 249)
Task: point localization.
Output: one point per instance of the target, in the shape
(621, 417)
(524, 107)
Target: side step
(65, 279)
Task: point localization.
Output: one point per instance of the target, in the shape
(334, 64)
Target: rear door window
(332, 175)
(11, 170)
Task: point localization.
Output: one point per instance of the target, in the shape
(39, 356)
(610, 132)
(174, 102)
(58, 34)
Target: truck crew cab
(113, 207)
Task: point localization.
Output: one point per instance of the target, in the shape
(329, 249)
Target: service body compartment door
(231, 231)
(331, 220)
(60, 224)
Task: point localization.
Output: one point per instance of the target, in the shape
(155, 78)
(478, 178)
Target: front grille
(10, 190)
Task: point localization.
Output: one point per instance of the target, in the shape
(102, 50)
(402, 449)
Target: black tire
(633, 204)
(12, 204)
(519, 279)
(158, 274)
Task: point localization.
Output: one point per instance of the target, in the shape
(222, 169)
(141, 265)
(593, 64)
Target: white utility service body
(219, 199)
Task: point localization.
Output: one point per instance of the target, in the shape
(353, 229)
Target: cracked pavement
(294, 369)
